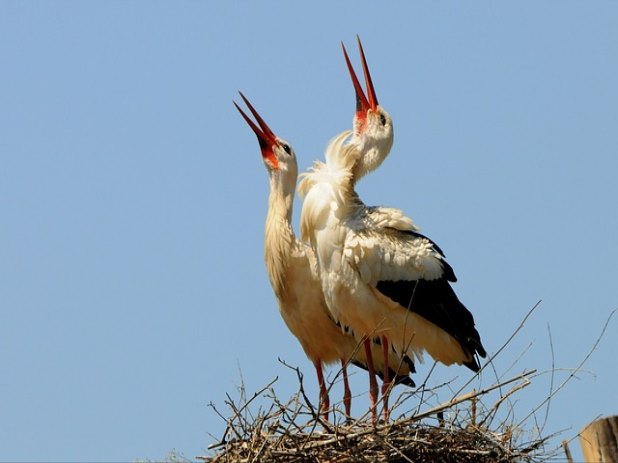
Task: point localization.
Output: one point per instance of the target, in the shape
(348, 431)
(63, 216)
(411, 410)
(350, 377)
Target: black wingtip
(399, 379)
(410, 364)
(480, 350)
(405, 380)
(473, 365)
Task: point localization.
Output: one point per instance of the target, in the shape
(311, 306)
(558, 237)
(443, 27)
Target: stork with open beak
(292, 270)
(372, 126)
(379, 275)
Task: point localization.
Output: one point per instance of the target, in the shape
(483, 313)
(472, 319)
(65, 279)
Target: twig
(238, 411)
(551, 381)
(468, 396)
(316, 415)
(578, 368)
(508, 341)
(395, 449)
(567, 452)
(512, 391)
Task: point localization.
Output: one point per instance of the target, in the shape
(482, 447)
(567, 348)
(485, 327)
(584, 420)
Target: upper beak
(265, 136)
(363, 103)
(371, 93)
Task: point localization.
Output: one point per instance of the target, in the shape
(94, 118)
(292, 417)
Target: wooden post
(567, 452)
(599, 441)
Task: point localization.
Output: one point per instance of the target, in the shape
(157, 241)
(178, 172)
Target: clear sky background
(133, 197)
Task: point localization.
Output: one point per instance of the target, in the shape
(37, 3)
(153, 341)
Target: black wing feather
(406, 380)
(436, 301)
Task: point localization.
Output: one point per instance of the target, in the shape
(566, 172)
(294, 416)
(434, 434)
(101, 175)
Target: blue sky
(133, 198)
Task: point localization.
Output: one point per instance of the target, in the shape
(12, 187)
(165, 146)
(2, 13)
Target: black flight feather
(435, 301)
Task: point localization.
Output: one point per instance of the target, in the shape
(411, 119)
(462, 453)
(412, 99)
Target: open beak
(265, 136)
(363, 103)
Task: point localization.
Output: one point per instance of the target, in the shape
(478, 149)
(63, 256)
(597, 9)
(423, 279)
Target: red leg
(386, 384)
(347, 394)
(324, 401)
(373, 384)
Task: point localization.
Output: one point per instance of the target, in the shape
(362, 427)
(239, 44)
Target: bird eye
(382, 119)
(286, 148)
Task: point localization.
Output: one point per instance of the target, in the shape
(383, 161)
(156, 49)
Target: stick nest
(293, 432)
(399, 442)
(477, 426)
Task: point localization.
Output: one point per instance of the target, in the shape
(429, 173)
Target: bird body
(371, 258)
(292, 271)
(359, 247)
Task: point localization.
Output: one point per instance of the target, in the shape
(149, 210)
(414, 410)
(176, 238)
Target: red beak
(363, 104)
(265, 136)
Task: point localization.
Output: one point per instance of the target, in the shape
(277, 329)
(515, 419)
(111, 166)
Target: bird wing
(388, 254)
(411, 270)
(389, 217)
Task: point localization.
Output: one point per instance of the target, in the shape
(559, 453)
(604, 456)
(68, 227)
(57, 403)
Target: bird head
(277, 154)
(372, 125)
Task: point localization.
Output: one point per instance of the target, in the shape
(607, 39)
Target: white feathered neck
(330, 181)
(280, 241)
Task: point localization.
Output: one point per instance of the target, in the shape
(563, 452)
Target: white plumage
(358, 248)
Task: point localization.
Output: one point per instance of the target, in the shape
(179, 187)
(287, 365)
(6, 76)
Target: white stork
(292, 270)
(380, 277)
